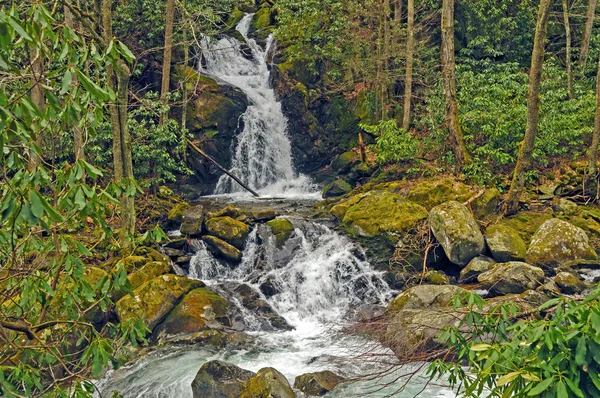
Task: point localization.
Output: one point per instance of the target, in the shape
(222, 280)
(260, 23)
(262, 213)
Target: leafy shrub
(393, 144)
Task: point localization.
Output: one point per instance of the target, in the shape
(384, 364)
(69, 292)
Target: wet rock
(557, 241)
(218, 379)
(227, 211)
(183, 262)
(261, 215)
(317, 383)
(192, 221)
(268, 288)
(431, 193)
(177, 243)
(336, 188)
(457, 231)
(199, 310)
(267, 383)
(173, 253)
(505, 243)
(282, 228)
(511, 278)
(153, 300)
(228, 229)
(175, 215)
(475, 267)
(569, 283)
(379, 212)
(222, 249)
(487, 204)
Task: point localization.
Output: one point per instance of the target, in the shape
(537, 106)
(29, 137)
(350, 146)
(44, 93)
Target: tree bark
(78, 144)
(587, 33)
(568, 49)
(449, 83)
(533, 110)
(410, 44)
(167, 54)
(39, 99)
(593, 160)
(118, 81)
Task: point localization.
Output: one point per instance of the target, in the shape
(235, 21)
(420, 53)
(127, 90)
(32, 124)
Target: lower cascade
(316, 282)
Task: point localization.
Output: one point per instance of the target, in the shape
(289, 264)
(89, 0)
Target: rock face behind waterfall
(457, 231)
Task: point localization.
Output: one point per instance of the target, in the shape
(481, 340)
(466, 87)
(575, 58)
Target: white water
(263, 155)
(319, 276)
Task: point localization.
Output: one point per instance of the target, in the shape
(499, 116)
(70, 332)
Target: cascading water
(263, 155)
(318, 277)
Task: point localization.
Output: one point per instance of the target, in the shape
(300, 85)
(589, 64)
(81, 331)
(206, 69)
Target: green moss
(235, 17)
(148, 272)
(431, 193)
(230, 230)
(381, 211)
(436, 278)
(526, 223)
(131, 263)
(176, 213)
(282, 228)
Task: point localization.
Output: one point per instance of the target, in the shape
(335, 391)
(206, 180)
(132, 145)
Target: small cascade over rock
(262, 157)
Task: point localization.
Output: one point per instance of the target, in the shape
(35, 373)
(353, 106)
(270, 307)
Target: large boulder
(477, 266)
(228, 229)
(424, 297)
(317, 383)
(218, 379)
(513, 277)
(282, 228)
(378, 212)
(487, 204)
(557, 241)
(155, 299)
(336, 188)
(200, 309)
(222, 249)
(457, 231)
(148, 272)
(569, 283)
(431, 193)
(192, 221)
(267, 383)
(505, 243)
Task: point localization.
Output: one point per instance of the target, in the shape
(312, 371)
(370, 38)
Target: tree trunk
(118, 81)
(410, 44)
(449, 83)
(533, 109)
(39, 99)
(167, 54)
(568, 49)
(78, 144)
(593, 160)
(587, 33)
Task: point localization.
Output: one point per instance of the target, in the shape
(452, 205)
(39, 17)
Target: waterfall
(263, 155)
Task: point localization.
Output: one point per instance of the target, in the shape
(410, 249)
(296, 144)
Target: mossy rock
(150, 253)
(431, 193)
(336, 188)
(148, 272)
(424, 297)
(477, 266)
(222, 249)
(282, 228)
(192, 220)
(176, 213)
(155, 299)
(569, 283)
(234, 18)
(457, 231)
(198, 311)
(317, 383)
(435, 278)
(505, 243)
(132, 263)
(260, 215)
(381, 212)
(228, 229)
(513, 277)
(267, 383)
(487, 204)
(556, 242)
(525, 223)
(218, 379)
(227, 211)
(344, 162)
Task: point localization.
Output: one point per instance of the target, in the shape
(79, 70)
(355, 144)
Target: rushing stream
(318, 280)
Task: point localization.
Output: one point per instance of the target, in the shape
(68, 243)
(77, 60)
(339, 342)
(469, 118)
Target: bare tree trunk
(410, 44)
(568, 49)
(39, 99)
(78, 144)
(593, 160)
(167, 54)
(118, 81)
(587, 33)
(449, 83)
(398, 12)
(533, 110)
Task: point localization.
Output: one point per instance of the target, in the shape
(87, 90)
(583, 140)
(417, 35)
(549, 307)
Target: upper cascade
(262, 158)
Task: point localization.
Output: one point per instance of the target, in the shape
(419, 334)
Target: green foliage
(393, 144)
(502, 353)
(51, 334)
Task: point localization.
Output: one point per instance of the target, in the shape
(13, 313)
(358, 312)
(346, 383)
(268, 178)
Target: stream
(319, 278)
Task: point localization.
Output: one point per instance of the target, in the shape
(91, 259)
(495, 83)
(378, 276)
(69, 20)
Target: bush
(393, 144)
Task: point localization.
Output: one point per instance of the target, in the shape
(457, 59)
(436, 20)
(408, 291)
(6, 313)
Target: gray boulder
(557, 241)
(336, 188)
(475, 267)
(218, 379)
(267, 383)
(505, 243)
(191, 224)
(317, 383)
(457, 231)
(569, 283)
(513, 277)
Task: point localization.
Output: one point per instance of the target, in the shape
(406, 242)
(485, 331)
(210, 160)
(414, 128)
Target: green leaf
(507, 378)
(480, 347)
(80, 199)
(19, 29)
(66, 82)
(561, 390)
(37, 208)
(126, 52)
(574, 387)
(580, 352)
(92, 87)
